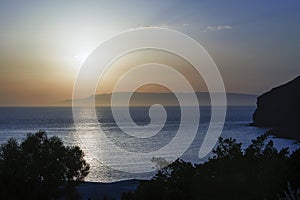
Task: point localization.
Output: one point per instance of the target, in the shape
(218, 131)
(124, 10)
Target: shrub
(38, 166)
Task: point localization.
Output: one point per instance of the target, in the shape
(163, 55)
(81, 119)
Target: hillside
(279, 109)
(166, 99)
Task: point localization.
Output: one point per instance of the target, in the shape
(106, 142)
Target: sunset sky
(255, 44)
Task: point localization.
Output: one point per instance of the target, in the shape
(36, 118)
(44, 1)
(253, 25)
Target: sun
(80, 57)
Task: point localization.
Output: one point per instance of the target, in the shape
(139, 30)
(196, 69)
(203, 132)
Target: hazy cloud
(152, 26)
(218, 28)
(168, 26)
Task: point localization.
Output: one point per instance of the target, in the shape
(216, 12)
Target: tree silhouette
(258, 172)
(36, 167)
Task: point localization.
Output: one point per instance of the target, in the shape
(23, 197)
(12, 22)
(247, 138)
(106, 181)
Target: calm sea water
(16, 122)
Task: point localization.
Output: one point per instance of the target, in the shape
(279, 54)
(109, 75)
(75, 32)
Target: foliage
(258, 172)
(36, 167)
(160, 162)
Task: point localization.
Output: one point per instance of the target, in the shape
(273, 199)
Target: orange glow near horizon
(133, 59)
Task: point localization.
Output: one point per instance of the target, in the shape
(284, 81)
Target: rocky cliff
(280, 109)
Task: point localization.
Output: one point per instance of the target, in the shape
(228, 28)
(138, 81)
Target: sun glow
(80, 58)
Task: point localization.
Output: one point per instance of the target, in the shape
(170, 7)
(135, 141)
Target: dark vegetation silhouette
(40, 168)
(258, 172)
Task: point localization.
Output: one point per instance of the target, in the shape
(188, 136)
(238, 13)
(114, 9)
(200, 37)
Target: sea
(17, 122)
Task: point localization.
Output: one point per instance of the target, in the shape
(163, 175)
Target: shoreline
(113, 190)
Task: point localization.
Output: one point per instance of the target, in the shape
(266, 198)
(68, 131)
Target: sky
(255, 44)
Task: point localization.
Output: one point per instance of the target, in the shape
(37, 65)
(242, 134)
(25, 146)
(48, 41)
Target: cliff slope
(280, 109)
